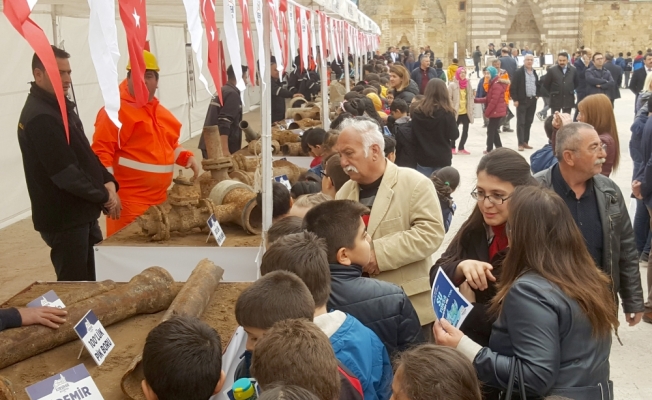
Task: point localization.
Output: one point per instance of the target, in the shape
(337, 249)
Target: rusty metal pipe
(149, 292)
(249, 132)
(192, 300)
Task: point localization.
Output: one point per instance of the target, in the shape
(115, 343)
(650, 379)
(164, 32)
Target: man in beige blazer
(405, 225)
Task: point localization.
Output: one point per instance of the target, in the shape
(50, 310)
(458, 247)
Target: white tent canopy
(65, 22)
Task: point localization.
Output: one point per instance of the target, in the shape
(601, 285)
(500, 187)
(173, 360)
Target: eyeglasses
(493, 198)
(323, 173)
(596, 149)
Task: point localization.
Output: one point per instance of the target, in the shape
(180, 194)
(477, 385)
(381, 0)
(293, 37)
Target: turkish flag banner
(214, 45)
(17, 12)
(322, 34)
(276, 36)
(134, 18)
(248, 41)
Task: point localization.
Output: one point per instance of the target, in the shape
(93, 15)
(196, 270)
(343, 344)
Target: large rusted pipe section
(236, 203)
(192, 300)
(149, 292)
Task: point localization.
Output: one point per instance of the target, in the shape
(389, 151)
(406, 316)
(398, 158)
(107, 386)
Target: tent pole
(323, 73)
(356, 66)
(345, 60)
(266, 128)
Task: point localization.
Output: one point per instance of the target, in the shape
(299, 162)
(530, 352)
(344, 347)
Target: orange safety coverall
(143, 160)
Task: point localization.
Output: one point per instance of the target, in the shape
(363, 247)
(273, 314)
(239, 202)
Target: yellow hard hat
(150, 62)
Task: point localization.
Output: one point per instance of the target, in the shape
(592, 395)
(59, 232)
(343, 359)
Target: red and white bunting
(276, 36)
(248, 41)
(214, 45)
(134, 18)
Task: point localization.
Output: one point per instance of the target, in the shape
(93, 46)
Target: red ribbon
(17, 12)
(215, 63)
(134, 18)
(248, 41)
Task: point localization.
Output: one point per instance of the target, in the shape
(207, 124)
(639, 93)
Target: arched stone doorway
(524, 29)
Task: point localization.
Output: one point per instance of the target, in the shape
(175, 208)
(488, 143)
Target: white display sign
(216, 230)
(94, 336)
(50, 299)
(74, 383)
(284, 180)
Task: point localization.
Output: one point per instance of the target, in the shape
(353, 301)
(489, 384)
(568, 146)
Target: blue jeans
(427, 171)
(642, 228)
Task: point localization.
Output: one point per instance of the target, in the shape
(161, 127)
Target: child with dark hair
(355, 345)
(340, 118)
(276, 297)
(304, 187)
(312, 141)
(334, 176)
(390, 148)
(446, 181)
(380, 306)
(296, 352)
(283, 227)
(182, 359)
(431, 372)
(281, 198)
(286, 392)
(402, 130)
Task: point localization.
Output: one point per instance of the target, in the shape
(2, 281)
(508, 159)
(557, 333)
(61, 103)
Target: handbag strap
(510, 382)
(515, 371)
(521, 381)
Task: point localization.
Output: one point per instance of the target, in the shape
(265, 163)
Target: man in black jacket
(68, 185)
(279, 94)
(560, 81)
(616, 73)
(598, 79)
(524, 90)
(598, 207)
(423, 74)
(226, 115)
(638, 77)
(581, 65)
(477, 59)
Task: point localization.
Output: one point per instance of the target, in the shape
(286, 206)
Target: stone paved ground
(627, 361)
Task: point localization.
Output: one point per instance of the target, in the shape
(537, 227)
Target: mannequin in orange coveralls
(142, 158)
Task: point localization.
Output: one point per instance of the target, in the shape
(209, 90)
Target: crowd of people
(343, 309)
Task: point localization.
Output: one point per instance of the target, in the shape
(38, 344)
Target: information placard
(216, 230)
(94, 336)
(284, 180)
(73, 383)
(49, 299)
(447, 302)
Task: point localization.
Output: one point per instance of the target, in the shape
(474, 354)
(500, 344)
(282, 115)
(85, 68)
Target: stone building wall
(548, 25)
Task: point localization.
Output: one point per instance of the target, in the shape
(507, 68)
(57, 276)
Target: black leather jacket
(552, 337)
(619, 258)
(381, 306)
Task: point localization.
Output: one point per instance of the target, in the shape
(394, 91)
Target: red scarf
(499, 242)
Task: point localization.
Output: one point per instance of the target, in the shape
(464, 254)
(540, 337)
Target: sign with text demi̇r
(72, 384)
(94, 336)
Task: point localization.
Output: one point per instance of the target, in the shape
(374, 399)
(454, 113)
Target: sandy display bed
(128, 336)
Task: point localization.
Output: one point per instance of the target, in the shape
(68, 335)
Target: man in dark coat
(477, 58)
(423, 74)
(524, 90)
(638, 76)
(582, 64)
(598, 79)
(561, 81)
(508, 63)
(68, 185)
(616, 73)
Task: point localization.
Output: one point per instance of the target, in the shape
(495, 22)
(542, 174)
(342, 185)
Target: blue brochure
(447, 302)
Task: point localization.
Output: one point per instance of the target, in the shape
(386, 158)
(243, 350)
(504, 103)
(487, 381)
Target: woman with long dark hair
(554, 306)
(473, 258)
(434, 128)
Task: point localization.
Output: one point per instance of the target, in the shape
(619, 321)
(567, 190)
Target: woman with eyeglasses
(554, 307)
(474, 256)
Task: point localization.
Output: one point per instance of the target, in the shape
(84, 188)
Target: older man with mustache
(405, 225)
(598, 207)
